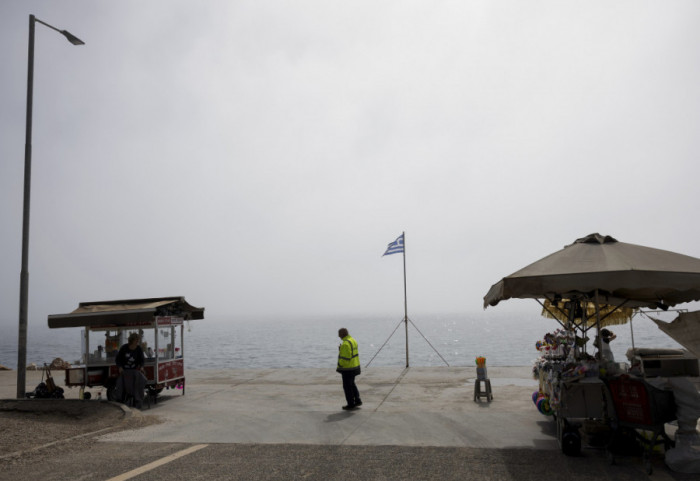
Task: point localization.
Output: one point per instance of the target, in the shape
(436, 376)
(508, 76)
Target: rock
(4, 368)
(32, 367)
(59, 363)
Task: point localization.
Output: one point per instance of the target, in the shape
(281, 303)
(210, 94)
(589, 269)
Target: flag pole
(405, 297)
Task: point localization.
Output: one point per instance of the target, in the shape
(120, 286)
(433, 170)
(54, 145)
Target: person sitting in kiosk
(604, 351)
(130, 361)
(98, 353)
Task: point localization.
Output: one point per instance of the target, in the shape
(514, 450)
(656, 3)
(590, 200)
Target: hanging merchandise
(560, 361)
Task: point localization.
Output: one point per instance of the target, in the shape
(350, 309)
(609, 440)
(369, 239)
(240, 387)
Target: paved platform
(420, 423)
(404, 407)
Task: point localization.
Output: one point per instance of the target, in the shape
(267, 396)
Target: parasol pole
(405, 297)
(597, 327)
(632, 332)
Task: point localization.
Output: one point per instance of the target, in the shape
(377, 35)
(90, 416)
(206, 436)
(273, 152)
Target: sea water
(505, 339)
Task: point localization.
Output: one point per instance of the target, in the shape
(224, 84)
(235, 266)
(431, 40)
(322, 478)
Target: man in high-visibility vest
(349, 367)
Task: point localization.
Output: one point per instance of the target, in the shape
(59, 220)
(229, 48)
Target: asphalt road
(110, 460)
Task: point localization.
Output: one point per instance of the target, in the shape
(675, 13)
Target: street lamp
(24, 275)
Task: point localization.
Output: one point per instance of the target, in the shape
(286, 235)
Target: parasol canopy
(622, 273)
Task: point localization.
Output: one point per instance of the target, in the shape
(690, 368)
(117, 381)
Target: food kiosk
(106, 325)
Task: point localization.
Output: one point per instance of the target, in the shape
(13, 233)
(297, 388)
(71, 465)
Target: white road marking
(172, 457)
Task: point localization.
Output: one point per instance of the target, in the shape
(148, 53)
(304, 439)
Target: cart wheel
(152, 395)
(111, 394)
(571, 442)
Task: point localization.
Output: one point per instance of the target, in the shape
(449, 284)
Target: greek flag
(394, 247)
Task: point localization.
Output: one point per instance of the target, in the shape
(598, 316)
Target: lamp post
(24, 275)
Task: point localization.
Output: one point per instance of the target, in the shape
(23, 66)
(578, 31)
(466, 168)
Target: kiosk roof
(125, 312)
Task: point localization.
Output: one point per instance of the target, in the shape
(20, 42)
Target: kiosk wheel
(568, 437)
(152, 393)
(112, 394)
(571, 442)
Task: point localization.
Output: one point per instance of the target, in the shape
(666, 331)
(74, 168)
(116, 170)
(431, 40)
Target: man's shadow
(335, 417)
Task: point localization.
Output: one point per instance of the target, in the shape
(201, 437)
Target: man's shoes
(349, 407)
(358, 403)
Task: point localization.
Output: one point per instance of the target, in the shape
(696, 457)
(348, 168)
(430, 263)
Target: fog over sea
(504, 338)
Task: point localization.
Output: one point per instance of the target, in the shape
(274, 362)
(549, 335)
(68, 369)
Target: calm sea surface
(505, 339)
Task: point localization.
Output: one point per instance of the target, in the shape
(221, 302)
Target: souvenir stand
(606, 401)
(579, 390)
(106, 326)
(591, 282)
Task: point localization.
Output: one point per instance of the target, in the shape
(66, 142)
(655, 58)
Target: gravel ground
(33, 423)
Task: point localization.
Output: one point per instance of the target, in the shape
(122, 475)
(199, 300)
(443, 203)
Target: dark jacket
(128, 359)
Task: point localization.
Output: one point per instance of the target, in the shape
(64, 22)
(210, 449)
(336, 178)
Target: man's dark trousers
(352, 395)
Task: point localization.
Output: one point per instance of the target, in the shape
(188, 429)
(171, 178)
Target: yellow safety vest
(348, 357)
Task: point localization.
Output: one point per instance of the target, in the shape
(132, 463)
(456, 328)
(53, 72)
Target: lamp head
(72, 38)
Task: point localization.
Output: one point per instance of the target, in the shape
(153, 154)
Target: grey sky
(257, 156)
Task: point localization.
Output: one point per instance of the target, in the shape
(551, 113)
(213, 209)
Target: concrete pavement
(418, 406)
(407, 407)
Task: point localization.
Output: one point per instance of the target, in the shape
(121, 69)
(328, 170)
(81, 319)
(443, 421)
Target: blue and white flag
(395, 247)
